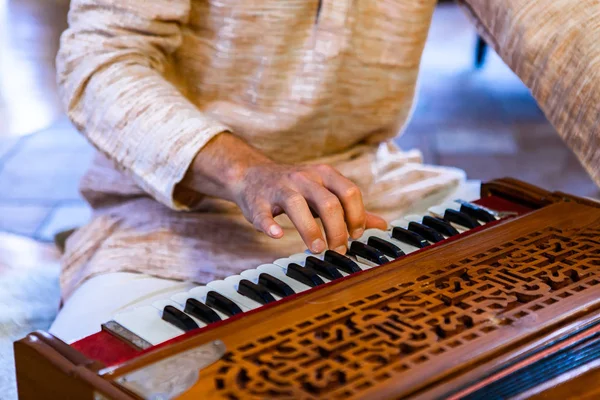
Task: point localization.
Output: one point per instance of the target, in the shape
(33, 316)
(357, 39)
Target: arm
(111, 67)
(552, 45)
(231, 169)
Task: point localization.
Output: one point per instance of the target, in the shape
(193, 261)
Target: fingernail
(340, 249)
(317, 246)
(275, 230)
(357, 233)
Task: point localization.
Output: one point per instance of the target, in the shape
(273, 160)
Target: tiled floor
(29, 298)
(483, 121)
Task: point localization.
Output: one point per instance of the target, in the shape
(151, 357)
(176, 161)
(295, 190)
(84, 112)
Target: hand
(229, 168)
(270, 189)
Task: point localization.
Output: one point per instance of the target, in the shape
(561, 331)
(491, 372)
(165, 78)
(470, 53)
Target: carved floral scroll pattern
(344, 351)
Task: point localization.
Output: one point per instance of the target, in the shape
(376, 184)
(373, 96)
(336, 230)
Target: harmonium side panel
(417, 323)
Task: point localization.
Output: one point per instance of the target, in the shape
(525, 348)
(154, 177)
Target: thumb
(264, 222)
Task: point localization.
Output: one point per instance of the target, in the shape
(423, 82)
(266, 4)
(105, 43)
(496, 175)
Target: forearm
(110, 68)
(220, 166)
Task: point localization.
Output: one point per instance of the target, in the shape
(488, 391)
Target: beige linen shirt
(150, 82)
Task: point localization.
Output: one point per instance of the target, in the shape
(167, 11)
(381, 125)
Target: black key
(275, 285)
(461, 219)
(428, 233)
(439, 225)
(323, 268)
(219, 302)
(477, 212)
(256, 292)
(409, 237)
(179, 319)
(387, 248)
(368, 253)
(201, 311)
(342, 262)
(306, 275)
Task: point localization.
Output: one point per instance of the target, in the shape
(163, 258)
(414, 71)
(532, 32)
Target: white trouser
(99, 298)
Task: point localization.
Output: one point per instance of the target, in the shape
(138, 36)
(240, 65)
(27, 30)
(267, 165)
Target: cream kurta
(150, 82)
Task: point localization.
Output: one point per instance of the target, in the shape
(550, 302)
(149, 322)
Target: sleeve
(553, 46)
(111, 70)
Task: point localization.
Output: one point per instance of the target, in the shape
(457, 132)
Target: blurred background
(476, 117)
(482, 120)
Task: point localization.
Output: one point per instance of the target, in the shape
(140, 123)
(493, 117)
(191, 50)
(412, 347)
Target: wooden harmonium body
(507, 310)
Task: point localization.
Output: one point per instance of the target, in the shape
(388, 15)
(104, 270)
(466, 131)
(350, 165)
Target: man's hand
(299, 191)
(229, 168)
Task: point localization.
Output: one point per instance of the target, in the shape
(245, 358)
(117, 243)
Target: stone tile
(26, 162)
(61, 136)
(529, 135)
(47, 167)
(418, 136)
(6, 145)
(477, 140)
(22, 219)
(48, 187)
(550, 168)
(64, 217)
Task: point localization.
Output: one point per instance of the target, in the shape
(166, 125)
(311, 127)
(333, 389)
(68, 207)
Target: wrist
(221, 166)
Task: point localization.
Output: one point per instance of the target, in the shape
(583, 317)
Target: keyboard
(462, 302)
(219, 300)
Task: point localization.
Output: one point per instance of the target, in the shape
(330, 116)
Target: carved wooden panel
(387, 334)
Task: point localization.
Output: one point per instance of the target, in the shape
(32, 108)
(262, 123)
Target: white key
(200, 293)
(404, 224)
(387, 235)
(321, 256)
(494, 213)
(301, 257)
(279, 273)
(181, 298)
(400, 223)
(146, 322)
(441, 209)
(284, 262)
(300, 260)
(419, 219)
(363, 264)
(251, 274)
(438, 211)
(235, 279)
(414, 218)
(161, 304)
(227, 289)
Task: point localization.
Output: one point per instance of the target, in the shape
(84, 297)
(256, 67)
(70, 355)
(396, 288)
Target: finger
(297, 210)
(374, 221)
(350, 197)
(330, 210)
(264, 222)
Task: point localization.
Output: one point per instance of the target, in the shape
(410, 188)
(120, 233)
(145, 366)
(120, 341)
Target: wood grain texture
(49, 368)
(414, 322)
(423, 326)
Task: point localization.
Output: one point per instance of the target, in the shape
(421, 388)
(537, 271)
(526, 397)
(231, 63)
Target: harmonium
(497, 298)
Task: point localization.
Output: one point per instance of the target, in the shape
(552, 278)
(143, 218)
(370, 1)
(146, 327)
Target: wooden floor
(483, 121)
